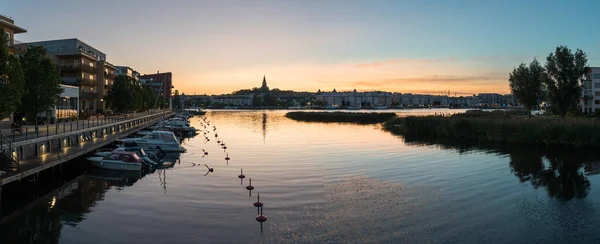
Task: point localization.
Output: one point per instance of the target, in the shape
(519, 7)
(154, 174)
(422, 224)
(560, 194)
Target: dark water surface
(322, 183)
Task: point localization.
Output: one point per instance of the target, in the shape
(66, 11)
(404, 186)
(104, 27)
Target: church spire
(264, 87)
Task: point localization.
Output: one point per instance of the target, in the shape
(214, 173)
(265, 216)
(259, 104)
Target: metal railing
(61, 127)
(9, 150)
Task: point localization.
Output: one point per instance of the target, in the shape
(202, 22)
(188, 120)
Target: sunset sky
(217, 47)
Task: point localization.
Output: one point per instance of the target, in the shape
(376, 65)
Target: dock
(30, 156)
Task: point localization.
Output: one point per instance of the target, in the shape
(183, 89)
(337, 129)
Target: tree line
(127, 95)
(29, 84)
(560, 77)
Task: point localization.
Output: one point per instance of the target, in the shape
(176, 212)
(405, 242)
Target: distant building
(264, 88)
(232, 100)
(161, 83)
(9, 27)
(83, 66)
(127, 71)
(590, 92)
(490, 99)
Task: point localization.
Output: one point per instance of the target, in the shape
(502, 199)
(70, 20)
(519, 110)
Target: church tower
(264, 87)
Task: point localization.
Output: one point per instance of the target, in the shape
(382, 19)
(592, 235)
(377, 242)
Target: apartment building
(590, 92)
(106, 79)
(127, 71)
(79, 64)
(161, 83)
(9, 27)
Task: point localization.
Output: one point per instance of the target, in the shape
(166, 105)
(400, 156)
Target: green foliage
(526, 84)
(127, 95)
(11, 79)
(42, 82)
(564, 73)
(501, 127)
(346, 117)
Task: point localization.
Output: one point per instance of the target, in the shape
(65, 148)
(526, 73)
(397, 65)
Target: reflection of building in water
(42, 220)
(592, 168)
(264, 126)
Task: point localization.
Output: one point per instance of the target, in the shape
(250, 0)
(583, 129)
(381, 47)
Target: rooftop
(10, 23)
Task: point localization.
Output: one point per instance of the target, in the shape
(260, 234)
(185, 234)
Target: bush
(344, 117)
(501, 127)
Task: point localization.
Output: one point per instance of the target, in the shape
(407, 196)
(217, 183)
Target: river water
(322, 183)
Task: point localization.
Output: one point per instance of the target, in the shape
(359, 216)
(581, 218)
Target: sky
(216, 47)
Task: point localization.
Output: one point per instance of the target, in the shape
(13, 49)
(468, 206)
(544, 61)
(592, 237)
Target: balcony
(86, 82)
(88, 95)
(78, 67)
(110, 76)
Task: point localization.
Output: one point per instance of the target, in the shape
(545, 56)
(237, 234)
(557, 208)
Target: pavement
(47, 160)
(58, 128)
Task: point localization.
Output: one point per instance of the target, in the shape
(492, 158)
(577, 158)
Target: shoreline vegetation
(501, 127)
(341, 117)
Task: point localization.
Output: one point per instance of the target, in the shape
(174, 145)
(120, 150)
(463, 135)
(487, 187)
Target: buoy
(241, 176)
(258, 204)
(250, 187)
(261, 217)
(227, 157)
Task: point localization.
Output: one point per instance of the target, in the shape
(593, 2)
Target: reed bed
(341, 117)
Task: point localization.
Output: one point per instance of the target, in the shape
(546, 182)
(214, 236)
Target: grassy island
(343, 117)
(501, 126)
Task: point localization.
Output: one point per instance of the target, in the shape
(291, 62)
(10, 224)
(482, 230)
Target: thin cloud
(429, 79)
(404, 61)
(491, 58)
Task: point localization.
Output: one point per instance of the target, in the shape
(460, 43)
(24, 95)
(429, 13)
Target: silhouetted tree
(526, 84)
(11, 79)
(42, 82)
(564, 73)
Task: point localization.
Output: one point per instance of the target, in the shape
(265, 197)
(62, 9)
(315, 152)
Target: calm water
(324, 183)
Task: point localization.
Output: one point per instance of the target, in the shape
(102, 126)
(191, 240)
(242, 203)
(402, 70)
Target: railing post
(26, 132)
(47, 130)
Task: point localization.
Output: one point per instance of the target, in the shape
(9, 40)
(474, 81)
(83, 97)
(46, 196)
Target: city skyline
(425, 47)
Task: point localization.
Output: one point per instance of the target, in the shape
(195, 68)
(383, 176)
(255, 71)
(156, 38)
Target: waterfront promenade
(29, 166)
(64, 127)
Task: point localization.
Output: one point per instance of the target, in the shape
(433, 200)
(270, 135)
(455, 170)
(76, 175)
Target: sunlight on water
(324, 183)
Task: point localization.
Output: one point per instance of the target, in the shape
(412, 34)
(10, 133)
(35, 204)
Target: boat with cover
(118, 160)
(166, 140)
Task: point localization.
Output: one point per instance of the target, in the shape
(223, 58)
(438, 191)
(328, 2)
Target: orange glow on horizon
(404, 76)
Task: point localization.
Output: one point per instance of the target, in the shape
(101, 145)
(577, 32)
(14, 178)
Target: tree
(563, 80)
(176, 101)
(526, 84)
(11, 79)
(122, 98)
(42, 82)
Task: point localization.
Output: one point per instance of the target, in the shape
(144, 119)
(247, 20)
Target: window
(596, 76)
(105, 82)
(82, 61)
(596, 101)
(597, 85)
(597, 93)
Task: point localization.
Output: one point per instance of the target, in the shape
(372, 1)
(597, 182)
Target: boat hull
(104, 164)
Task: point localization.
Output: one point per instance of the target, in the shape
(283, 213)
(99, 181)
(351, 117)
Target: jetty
(24, 157)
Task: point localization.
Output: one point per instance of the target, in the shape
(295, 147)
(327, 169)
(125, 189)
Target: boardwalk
(55, 129)
(33, 165)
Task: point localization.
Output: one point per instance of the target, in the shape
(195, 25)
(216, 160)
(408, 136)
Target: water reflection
(559, 170)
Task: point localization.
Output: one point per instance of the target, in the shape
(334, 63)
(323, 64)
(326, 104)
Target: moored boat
(118, 160)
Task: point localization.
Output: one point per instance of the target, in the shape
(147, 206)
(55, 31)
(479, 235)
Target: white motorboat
(354, 107)
(118, 160)
(380, 107)
(165, 140)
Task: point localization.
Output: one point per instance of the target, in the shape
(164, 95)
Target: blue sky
(403, 46)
